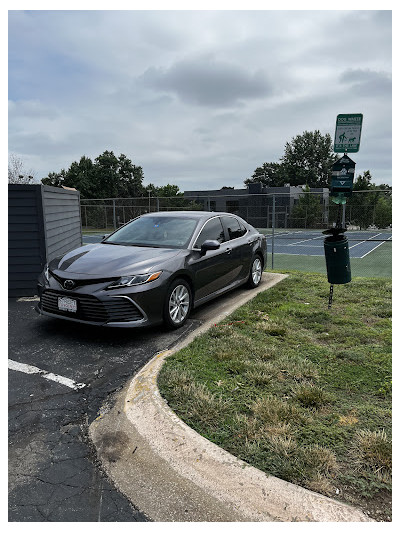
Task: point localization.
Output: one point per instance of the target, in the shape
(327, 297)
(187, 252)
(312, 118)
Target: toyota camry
(154, 269)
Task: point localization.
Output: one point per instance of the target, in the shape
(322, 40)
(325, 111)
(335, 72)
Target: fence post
(114, 215)
(273, 232)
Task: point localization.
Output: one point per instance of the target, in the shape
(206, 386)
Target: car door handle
(228, 250)
(251, 241)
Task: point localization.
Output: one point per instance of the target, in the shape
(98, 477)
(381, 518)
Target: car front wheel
(255, 272)
(177, 304)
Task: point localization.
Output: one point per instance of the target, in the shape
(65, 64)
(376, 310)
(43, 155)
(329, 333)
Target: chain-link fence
(293, 222)
(111, 213)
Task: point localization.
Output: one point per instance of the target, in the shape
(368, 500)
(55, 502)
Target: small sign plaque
(343, 176)
(348, 133)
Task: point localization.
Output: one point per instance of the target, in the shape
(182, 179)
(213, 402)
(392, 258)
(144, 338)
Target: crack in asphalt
(55, 474)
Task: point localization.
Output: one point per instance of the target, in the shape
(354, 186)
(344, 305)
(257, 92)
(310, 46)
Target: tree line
(306, 161)
(108, 176)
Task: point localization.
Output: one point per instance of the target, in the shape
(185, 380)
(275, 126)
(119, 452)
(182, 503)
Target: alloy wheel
(179, 304)
(256, 271)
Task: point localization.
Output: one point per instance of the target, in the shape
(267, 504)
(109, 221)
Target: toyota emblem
(69, 284)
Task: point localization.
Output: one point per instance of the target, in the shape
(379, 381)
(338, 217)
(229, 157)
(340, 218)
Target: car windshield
(157, 231)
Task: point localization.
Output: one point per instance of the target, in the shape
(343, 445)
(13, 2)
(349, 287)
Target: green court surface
(376, 264)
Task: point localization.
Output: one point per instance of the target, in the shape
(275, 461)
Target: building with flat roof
(256, 203)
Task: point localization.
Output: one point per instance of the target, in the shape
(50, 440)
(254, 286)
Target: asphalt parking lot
(53, 471)
(74, 373)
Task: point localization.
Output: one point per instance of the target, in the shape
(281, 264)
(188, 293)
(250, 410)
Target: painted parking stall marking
(29, 369)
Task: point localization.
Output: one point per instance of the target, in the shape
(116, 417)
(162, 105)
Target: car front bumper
(132, 307)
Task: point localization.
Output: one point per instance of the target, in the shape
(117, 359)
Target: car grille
(81, 282)
(90, 309)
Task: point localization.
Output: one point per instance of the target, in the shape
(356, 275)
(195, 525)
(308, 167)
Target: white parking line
(28, 369)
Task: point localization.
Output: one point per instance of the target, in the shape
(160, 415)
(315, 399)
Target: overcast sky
(197, 98)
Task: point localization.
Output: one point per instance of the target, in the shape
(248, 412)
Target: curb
(171, 473)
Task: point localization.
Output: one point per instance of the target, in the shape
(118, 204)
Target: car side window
(212, 230)
(234, 228)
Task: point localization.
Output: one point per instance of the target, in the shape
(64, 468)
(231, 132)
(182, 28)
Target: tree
(107, 177)
(370, 203)
(363, 182)
(307, 212)
(164, 191)
(269, 174)
(168, 197)
(308, 159)
(383, 212)
(16, 171)
(131, 178)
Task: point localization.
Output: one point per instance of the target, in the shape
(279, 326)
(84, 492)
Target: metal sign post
(336, 248)
(273, 230)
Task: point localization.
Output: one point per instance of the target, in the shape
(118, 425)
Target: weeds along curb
(173, 474)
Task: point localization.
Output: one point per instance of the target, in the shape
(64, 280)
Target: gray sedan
(155, 268)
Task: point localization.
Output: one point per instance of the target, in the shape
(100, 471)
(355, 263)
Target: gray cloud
(209, 82)
(366, 82)
(197, 98)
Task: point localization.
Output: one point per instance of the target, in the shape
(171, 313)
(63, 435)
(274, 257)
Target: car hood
(109, 261)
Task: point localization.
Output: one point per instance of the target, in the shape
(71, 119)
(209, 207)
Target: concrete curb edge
(174, 474)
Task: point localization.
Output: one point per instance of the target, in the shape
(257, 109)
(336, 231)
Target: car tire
(256, 271)
(178, 304)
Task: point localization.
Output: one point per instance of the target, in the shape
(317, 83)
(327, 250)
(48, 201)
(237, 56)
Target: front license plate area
(67, 304)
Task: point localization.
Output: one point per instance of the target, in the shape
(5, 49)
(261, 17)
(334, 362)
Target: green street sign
(348, 133)
(343, 171)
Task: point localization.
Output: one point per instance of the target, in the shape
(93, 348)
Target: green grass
(297, 390)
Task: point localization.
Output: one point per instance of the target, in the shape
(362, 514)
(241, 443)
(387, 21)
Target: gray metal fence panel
(61, 214)
(26, 244)
(43, 222)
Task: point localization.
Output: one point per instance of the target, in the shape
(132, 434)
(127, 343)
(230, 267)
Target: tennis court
(370, 251)
(301, 242)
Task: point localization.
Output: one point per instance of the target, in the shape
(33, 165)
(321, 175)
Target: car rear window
(234, 227)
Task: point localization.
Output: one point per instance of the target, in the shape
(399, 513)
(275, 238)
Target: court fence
(284, 217)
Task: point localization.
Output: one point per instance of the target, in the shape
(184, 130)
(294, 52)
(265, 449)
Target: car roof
(193, 214)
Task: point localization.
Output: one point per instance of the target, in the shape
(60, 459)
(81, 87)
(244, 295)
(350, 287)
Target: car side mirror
(209, 245)
(105, 236)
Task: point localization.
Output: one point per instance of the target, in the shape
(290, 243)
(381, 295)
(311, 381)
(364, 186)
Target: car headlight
(46, 271)
(138, 279)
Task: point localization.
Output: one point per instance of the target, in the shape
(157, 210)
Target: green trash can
(337, 259)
